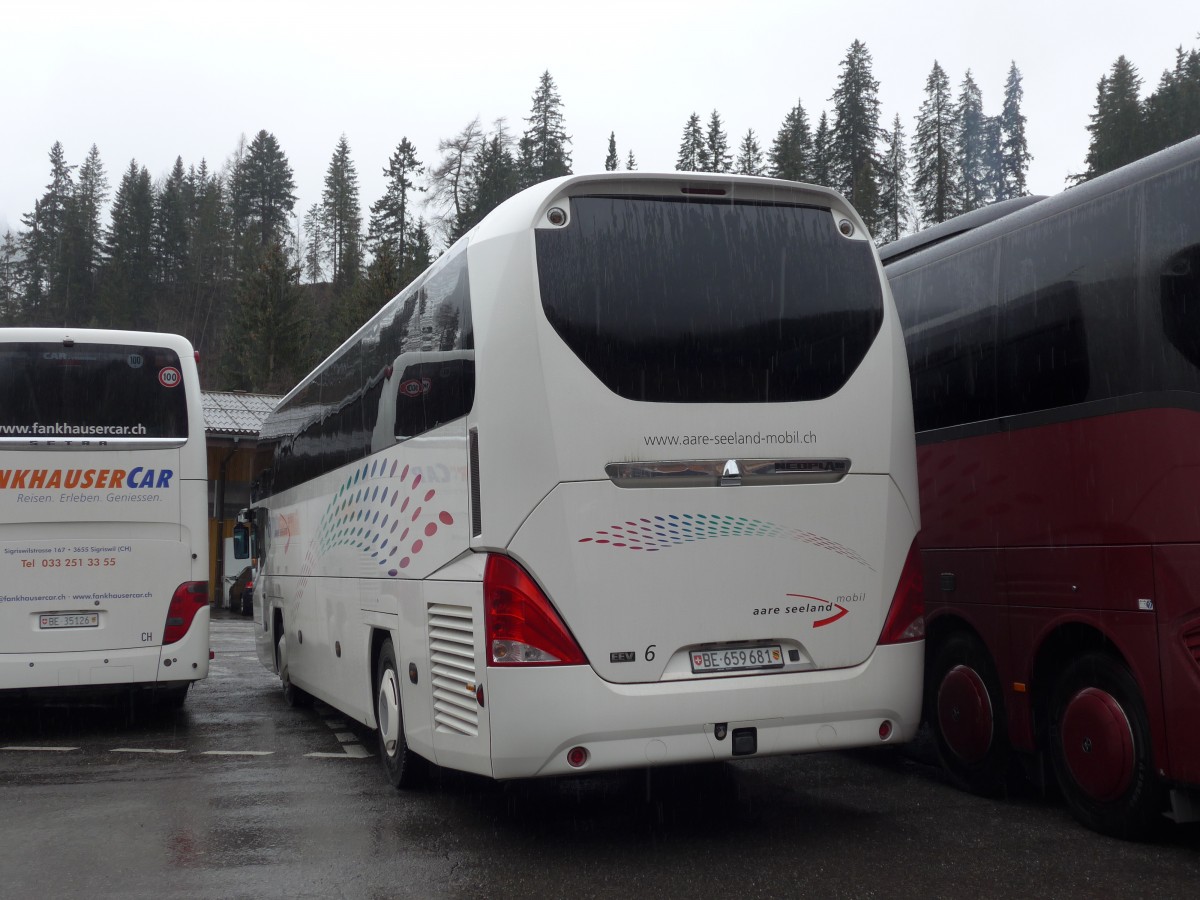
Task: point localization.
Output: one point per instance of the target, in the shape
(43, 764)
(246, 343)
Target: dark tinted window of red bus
(50, 391)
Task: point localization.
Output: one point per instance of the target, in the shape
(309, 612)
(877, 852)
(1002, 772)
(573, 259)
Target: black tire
(403, 768)
(292, 695)
(965, 710)
(247, 605)
(1100, 746)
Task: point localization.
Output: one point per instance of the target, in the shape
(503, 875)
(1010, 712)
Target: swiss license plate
(69, 620)
(736, 658)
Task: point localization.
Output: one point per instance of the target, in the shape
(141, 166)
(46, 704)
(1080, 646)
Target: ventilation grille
(1191, 640)
(452, 655)
(476, 515)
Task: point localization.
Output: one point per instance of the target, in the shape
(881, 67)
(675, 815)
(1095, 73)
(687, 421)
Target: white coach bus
(103, 520)
(626, 478)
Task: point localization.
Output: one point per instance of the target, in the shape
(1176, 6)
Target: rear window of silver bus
(695, 301)
(90, 391)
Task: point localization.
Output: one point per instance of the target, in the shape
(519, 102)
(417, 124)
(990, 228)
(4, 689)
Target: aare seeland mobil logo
(136, 478)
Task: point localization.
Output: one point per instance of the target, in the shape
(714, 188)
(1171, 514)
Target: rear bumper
(185, 660)
(537, 715)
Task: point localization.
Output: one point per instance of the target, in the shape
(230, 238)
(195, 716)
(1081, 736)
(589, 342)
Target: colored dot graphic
(675, 529)
(370, 513)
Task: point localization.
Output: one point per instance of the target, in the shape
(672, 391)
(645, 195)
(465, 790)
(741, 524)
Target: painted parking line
(349, 751)
(351, 748)
(143, 750)
(41, 749)
(237, 753)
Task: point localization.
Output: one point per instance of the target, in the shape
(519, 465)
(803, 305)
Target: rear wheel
(404, 769)
(1100, 743)
(294, 696)
(966, 712)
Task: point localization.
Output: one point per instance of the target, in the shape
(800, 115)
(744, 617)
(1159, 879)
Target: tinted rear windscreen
(685, 301)
(91, 391)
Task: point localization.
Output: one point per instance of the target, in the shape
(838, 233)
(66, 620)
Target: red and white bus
(1055, 365)
(103, 519)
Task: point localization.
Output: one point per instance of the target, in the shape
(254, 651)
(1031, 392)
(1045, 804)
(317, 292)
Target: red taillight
(906, 618)
(189, 598)
(522, 626)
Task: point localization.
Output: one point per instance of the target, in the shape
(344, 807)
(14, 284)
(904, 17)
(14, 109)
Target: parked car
(241, 592)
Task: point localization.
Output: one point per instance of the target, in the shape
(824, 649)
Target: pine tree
(693, 155)
(894, 200)
(822, 158)
(856, 131)
(716, 146)
(341, 215)
(935, 184)
(1118, 125)
(316, 245)
(209, 288)
(449, 179)
(543, 152)
(611, 163)
(993, 159)
(262, 192)
(11, 287)
(45, 246)
(87, 201)
(792, 151)
(272, 322)
(128, 284)
(391, 219)
(172, 233)
(1172, 112)
(418, 254)
(971, 146)
(1014, 150)
(630, 163)
(492, 178)
(750, 156)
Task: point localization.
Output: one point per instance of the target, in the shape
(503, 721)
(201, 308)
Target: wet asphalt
(238, 795)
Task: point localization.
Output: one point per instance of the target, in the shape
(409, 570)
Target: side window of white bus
(432, 378)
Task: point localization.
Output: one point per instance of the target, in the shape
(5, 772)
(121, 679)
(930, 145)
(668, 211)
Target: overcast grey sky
(152, 81)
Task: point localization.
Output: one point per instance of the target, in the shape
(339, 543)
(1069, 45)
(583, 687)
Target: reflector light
(576, 757)
(521, 624)
(885, 730)
(906, 618)
(188, 599)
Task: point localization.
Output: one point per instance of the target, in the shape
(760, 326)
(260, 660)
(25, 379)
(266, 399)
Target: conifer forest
(224, 253)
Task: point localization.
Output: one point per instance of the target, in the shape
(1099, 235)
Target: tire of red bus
(1100, 745)
(966, 712)
(404, 769)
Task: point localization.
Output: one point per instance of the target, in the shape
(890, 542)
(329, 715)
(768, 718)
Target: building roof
(235, 413)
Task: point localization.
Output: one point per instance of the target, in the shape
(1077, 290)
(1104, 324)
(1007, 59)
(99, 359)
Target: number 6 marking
(649, 654)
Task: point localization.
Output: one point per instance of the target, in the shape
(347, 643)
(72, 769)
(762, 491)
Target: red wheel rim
(1097, 743)
(965, 715)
